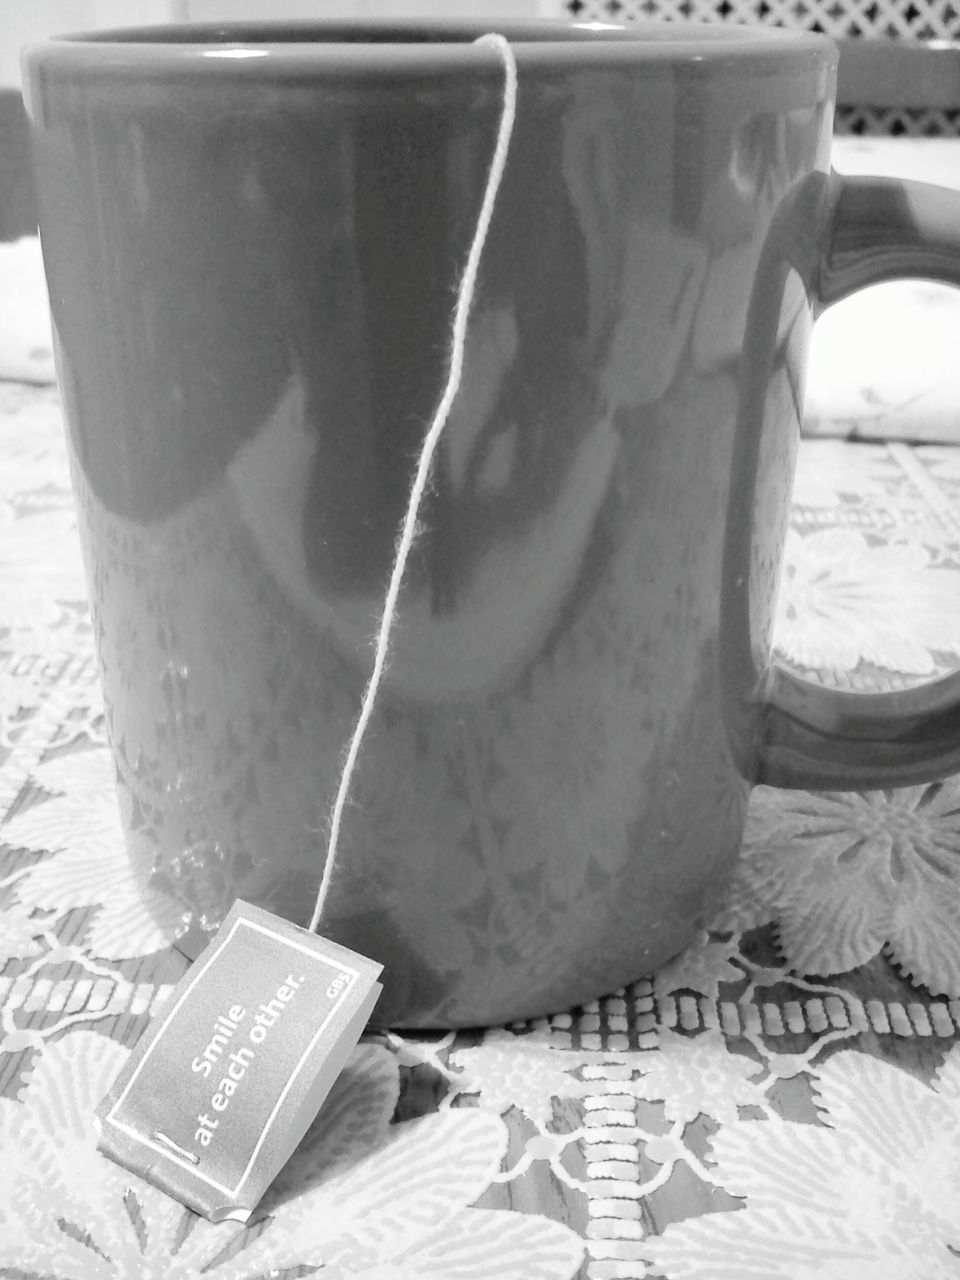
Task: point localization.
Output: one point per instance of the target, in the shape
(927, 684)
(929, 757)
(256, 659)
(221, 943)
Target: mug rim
(292, 46)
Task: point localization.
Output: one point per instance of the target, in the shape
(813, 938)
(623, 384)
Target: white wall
(22, 21)
(218, 9)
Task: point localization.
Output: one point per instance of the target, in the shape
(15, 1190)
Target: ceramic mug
(254, 238)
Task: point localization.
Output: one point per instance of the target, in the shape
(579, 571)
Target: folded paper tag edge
(311, 1056)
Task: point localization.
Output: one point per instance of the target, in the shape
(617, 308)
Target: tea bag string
(408, 531)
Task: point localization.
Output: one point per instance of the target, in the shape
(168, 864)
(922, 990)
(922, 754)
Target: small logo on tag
(224, 1082)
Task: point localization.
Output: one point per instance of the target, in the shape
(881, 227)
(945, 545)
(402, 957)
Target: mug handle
(814, 737)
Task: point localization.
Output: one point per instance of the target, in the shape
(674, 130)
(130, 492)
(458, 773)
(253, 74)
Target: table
(782, 1101)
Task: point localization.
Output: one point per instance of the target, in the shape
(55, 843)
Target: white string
(409, 528)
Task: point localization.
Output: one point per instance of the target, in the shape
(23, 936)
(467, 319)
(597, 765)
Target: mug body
(254, 241)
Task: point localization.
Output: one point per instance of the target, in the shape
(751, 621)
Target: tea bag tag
(224, 1082)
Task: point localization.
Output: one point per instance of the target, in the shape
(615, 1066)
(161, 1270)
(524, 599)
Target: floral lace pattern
(870, 1188)
(743, 1111)
(850, 874)
(360, 1197)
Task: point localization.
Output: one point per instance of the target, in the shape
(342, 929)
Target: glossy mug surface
(254, 238)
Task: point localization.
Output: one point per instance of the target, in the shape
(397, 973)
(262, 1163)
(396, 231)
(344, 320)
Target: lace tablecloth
(782, 1101)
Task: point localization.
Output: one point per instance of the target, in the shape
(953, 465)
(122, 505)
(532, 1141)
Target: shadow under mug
(253, 238)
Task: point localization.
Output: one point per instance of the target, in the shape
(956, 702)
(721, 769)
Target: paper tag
(226, 1079)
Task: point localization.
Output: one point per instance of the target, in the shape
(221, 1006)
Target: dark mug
(254, 238)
